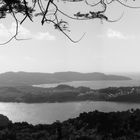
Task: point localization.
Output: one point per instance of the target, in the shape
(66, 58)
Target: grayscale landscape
(69, 70)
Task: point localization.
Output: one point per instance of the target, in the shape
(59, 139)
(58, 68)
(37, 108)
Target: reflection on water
(50, 112)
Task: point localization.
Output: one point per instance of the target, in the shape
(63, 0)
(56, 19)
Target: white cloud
(23, 33)
(44, 36)
(4, 31)
(113, 34)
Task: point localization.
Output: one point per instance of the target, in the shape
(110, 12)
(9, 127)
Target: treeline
(88, 126)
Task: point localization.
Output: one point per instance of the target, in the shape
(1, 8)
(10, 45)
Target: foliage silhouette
(50, 12)
(88, 126)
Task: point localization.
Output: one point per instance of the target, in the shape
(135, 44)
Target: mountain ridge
(35, 78)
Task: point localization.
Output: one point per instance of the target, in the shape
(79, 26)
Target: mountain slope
(28, 78)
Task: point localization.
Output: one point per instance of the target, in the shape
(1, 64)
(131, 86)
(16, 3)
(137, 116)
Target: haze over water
(96, 84)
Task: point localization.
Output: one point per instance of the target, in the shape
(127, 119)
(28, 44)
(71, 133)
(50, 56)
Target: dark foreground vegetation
(88, 126)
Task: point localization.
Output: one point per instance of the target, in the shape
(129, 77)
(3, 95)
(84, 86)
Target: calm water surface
(50, 112)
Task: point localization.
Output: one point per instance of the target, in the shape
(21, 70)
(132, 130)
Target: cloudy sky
(106, 47)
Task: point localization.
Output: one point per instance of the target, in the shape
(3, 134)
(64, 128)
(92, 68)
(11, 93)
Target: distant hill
(28, 78)
(61, 93)
(66, 93)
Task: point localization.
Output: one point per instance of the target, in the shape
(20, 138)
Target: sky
(106, 47)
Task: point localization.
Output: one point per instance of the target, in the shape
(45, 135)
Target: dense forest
(88, 126)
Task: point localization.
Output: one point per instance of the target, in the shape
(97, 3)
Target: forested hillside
(88, 126)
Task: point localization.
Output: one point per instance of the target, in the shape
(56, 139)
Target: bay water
(47, 113)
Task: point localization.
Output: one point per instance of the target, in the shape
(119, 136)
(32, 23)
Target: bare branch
(46, 11)
(128, 6)
(95, 4)
(22, 7)
(16, 32)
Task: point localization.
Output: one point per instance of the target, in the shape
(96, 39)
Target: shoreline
(109, 101)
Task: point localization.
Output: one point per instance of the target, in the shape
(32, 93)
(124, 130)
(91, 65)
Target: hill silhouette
(29, 78)
(88, 126)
